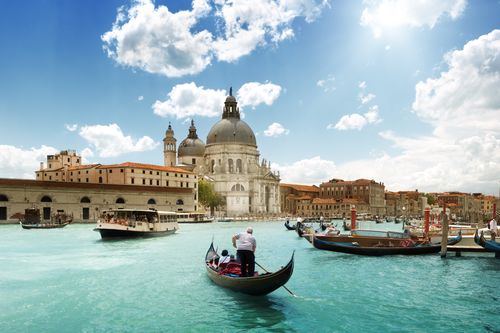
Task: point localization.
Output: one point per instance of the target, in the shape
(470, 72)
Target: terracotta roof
(145, 166)
(303, 188)
(350, 182)
(27, 183)
(325, 201)
(83, 166)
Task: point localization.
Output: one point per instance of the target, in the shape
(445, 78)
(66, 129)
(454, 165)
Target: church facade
(231, 161)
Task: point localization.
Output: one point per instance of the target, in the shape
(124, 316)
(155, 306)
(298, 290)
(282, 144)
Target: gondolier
(245, 251)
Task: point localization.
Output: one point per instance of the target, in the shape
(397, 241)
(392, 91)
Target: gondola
(258, 285)
(404, 248)
(290, 227)
(32, 220)
(489, 245)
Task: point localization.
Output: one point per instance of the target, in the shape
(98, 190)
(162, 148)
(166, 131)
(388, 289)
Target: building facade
(367, 196)
(231, 161)
(86, 201)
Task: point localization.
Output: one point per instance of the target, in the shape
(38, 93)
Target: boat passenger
(224, 258)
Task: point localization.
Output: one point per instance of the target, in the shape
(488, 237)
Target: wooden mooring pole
(444, 233)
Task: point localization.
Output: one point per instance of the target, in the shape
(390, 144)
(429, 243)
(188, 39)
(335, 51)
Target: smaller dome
(192, 145)
(230, 99)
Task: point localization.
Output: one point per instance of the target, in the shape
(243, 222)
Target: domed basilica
(230, 160)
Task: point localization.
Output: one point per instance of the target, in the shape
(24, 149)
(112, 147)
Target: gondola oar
(291, 293)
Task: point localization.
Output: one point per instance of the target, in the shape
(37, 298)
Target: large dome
(231, 129)
(192, 145)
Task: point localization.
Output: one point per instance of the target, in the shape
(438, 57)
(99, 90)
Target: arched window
(46, 198)
(151, 201)
(238, 188)
(212, 166)
(100, 180)
(3, 197)
(120, 201)
(179, 202)
(239, 166)
(231, 166)
(85, 200)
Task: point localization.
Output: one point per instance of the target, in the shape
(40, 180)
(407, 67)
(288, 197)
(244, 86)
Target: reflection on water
(250, 312)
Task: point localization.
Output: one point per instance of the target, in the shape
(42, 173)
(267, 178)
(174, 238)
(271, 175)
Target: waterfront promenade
(68, 280)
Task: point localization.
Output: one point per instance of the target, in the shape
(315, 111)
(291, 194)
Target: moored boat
(406, 247)
(290, 227)
(258, 285)
(32, 220)
(128, 223)
(490, 245)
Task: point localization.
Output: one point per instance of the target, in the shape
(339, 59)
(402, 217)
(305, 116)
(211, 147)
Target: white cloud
(109, 140)
(464, 100)
(140, 98)
(275, 130)
(86, 154)
(327, 84)
(372, 116)
(156, 40)
(255, 93)
(366, 98)
(309, 171)
(356, 120)
(463, 151)
(71, 127)
(380, 15)
(189, 100)
(362, 85)
(22, 163)
(348, 122)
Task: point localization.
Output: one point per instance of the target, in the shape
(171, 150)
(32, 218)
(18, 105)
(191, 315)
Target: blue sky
(402, 92)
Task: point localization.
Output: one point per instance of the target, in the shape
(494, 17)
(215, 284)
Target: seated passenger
(224, 258)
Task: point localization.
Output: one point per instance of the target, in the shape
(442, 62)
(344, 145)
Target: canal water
(68, 280)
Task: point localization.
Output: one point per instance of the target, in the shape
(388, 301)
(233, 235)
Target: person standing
(245, 251)
(493, 228)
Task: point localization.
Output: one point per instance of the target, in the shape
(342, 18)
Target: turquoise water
(68, 280)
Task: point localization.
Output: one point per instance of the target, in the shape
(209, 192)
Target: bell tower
(169, 147)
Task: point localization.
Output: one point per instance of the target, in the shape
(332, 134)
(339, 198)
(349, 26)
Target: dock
(458, 249)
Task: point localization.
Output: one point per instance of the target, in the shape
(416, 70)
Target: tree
(208, 197)
(430, 199)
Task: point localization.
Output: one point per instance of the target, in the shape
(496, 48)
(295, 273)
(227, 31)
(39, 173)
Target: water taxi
(193, 217)
(127, 223)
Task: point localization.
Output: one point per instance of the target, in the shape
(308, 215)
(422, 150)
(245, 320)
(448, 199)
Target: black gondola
(489, 245)
(259, 285)
(405, 248)
(290, 227)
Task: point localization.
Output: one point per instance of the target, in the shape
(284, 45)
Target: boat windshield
(139, 216)
(379, 233)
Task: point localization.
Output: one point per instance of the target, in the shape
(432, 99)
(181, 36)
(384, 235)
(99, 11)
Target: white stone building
(230, 158)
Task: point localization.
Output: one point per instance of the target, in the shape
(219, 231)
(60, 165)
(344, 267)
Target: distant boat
(127, 223)
(225, 219)
(193, 217)
(258, 285)
(32, 220)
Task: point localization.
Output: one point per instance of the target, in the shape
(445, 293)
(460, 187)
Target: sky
(406, 93)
